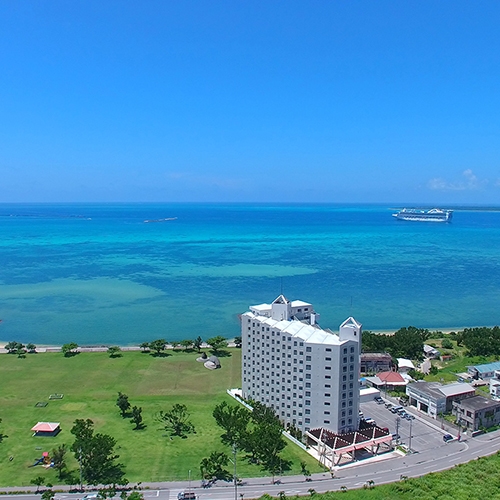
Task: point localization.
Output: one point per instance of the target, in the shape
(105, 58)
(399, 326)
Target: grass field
(90, 383)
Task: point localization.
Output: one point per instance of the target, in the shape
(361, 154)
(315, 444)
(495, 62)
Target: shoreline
(230, 340)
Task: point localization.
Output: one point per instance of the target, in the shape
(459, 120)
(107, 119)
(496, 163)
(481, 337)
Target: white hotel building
(308, 375)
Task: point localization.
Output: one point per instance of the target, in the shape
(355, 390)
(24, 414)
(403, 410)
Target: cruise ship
(421, 215)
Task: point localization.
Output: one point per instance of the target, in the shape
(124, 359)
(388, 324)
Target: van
(186, 495)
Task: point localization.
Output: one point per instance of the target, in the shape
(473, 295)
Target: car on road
(447, 437)
(91, 496)
(186, 495)
(370, 421)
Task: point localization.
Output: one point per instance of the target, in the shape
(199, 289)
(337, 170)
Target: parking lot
(424, 437)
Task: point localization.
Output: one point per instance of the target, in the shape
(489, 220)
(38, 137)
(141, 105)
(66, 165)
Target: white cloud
(469, 182)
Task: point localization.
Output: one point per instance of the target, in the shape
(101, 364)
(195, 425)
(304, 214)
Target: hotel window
(307, 411)
(326, 413)
(308, 358)
(328, 376)
(327, 395)
(307, 402)
(328, 349)
(345, 350)
(308, 393)
(307, 420)
(308, 375)
(344, 360)
(308, 385)
(352, 349)
(308, 367)
(326, 421)
(343, 413)
(327, 386)
(327, 403)
(308, 349)
(328, 359)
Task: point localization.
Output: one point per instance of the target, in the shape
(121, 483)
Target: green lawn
(90, 383)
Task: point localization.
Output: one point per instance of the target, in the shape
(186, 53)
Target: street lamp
(189, 478)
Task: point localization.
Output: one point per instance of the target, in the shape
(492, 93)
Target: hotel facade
(308, 375)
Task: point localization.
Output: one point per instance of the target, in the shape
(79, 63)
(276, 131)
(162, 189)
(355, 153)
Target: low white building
(308, 375)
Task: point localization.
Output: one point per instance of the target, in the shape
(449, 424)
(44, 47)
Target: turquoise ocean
(98, 274)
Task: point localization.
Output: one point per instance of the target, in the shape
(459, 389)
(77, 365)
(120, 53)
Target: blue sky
(327, 101)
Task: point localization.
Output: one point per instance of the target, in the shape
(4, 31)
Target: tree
(415, 375)
(446, 344)
(176, 421)
(58, 457)
(13, 346)
(217, 343)
(114, 351)
(197, 343)
(21, 351)
(408, 342)
(186, 344)
(48, 495)
(305, 471)
(137, 418)
(31, 348)
(144, 346)
(123, 403)
(95, 452)
(213, 467)
(38, 481)
(70, 349)
(237, 342)
(234, 420)
(158, 346)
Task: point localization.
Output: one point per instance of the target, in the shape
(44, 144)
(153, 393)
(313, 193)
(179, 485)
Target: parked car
(90, 496)
(388, 405)
(370, 421)
(447, 437)
(379, 400)
(402, 412)
(395, 409)
(409, 417)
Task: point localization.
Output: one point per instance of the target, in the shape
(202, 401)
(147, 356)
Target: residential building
(374, 362)
(308, 375)
(431, 352)
(434, 398)
(495, 385)
(477, 412)
(387, 381)
(485, 371)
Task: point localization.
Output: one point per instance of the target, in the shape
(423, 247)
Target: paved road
(384, 471)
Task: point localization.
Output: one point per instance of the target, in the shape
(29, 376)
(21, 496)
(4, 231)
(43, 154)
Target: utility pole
(398, 420)
(80, 463)
(409, 441)
(189, 477)
(235, 479)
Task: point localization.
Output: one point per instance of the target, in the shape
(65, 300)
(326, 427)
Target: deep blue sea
(98, 274)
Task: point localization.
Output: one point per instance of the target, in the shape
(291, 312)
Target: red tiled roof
(390, 377)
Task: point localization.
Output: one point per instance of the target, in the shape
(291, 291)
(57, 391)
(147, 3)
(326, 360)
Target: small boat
(160, 220)
(423, 215)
